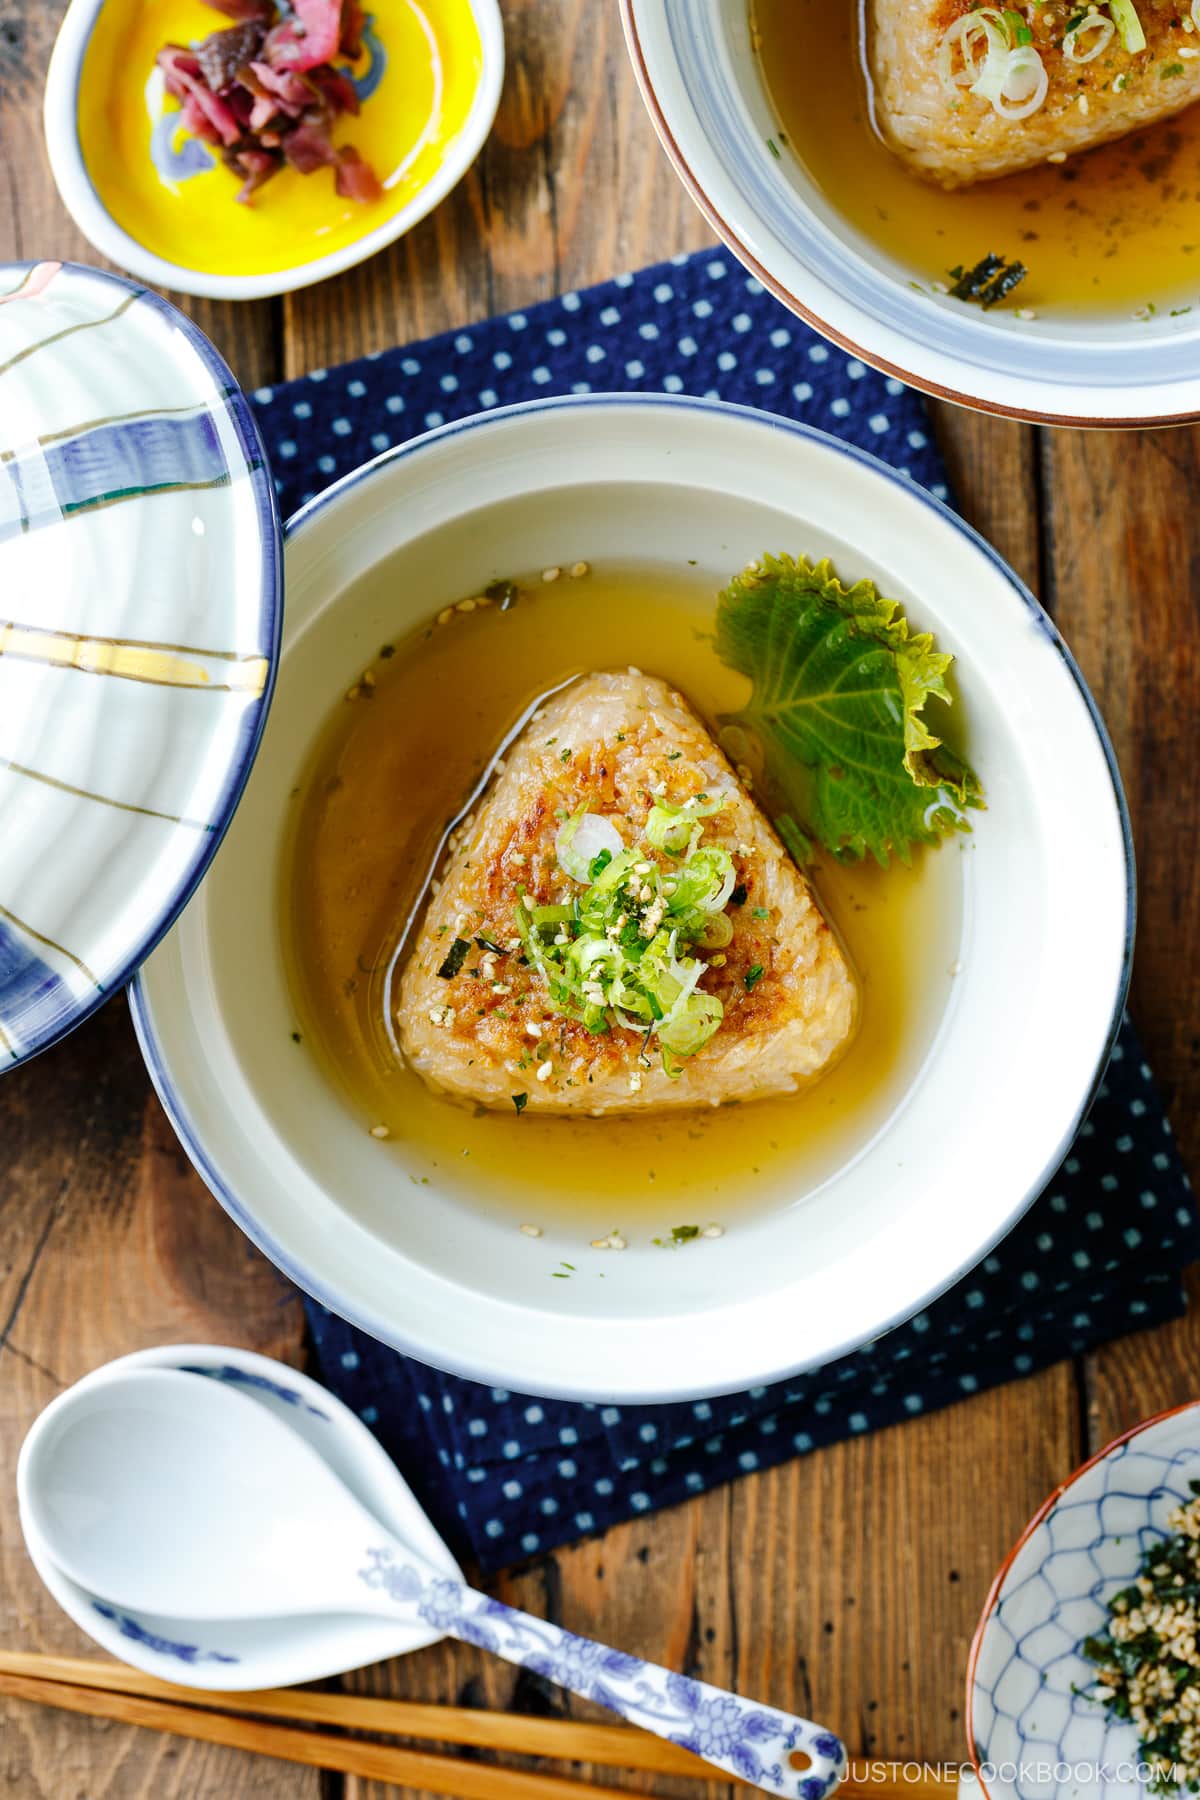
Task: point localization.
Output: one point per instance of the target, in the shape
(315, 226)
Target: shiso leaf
(840, 687)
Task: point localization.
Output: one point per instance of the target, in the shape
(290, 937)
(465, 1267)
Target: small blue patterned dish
(140, 586)
(1034, 1732)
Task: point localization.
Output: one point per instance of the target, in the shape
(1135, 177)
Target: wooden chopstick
(113, 1690)
(318, 1749)
(570, 1740)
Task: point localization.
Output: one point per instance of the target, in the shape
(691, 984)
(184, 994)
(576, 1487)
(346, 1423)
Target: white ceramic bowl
(260, 1653)
(79, 196)
(1034, 1733)
(1047, 917)
(703, 86)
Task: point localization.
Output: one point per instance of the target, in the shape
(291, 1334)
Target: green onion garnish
(520, 1101)
(1129, 26)
(619, 954)
(753, 976)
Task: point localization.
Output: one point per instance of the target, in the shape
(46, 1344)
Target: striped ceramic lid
(140, 590)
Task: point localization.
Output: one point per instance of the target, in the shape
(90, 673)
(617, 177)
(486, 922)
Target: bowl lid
(140, 611)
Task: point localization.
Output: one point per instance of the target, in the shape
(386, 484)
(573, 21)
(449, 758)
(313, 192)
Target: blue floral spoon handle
(777, 1753)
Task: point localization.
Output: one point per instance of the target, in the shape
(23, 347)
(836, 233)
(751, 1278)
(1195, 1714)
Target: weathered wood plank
(110, 1243)
(1125, 570)
(1125, 567)
(570, 189)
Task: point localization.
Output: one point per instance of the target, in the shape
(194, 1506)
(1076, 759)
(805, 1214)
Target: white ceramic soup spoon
(166, 1492)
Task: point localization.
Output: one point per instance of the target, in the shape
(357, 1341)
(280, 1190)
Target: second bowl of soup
(995, 204)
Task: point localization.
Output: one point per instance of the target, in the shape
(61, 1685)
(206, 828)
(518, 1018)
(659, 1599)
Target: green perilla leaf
(840, 687)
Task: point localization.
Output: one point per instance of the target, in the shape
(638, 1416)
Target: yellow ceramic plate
(153, 198)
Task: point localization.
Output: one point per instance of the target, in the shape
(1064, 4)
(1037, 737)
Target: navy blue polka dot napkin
(504, 1475)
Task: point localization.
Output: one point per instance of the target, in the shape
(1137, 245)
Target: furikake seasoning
(1147, 1657)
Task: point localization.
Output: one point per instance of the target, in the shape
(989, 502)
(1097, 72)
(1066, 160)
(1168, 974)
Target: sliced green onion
(692, 1027)
(618, 954)
(581, 840)
(1096, 29)
(669, 826)
(997, 60)
(551, 915)
(706, 881)
(1125, 17)
(715, 932)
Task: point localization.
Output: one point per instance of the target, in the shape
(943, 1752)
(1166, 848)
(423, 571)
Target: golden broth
(1115, 228)
(434, 63)
(388, 773)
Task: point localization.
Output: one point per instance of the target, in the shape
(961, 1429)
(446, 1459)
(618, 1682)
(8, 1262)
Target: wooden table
(846, 1584)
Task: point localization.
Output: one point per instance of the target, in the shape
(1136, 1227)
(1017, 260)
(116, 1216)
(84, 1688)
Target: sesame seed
(352, 693)
(642, 868)
(1057, 156)
(545, 1070)
(533, 1028)
(616, 1241)
(713, 1231)
(532, 1230)
(501, 987)
(580, 568)
(380, 1131)
(368, 680)
(601, 1244)
(551, 574)
(466, 606)
(445, 616)
(1026, 312)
